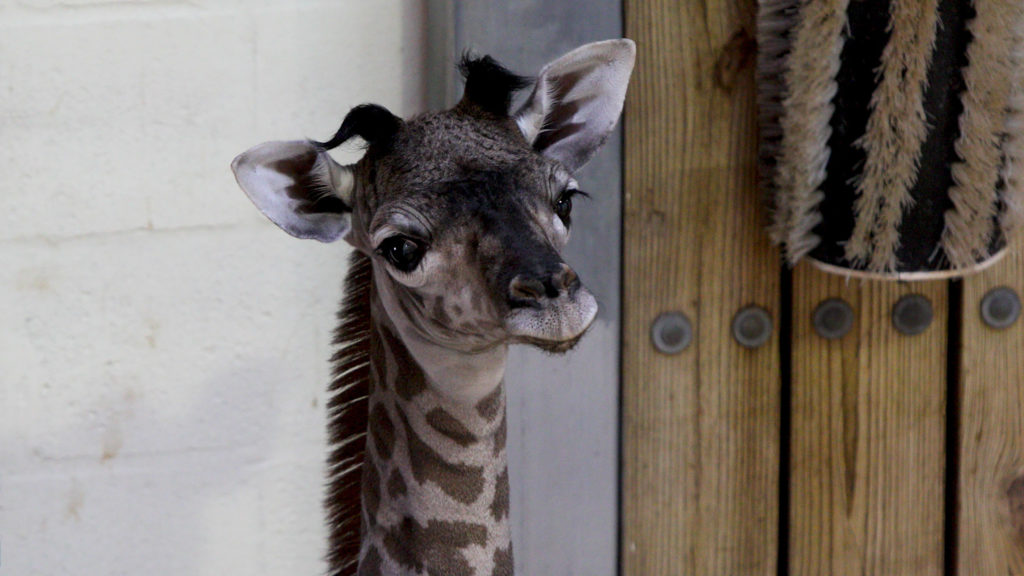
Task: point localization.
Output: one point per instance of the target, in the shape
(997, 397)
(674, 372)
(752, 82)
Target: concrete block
(204, 351)
(198, 513)
(163, 347)
(209, 334)
(129, 121)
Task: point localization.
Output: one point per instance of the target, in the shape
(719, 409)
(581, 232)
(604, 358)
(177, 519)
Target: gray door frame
(563, 410)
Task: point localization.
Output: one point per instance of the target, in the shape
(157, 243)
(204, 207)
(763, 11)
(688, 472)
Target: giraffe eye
(402, 252)
(563, 206)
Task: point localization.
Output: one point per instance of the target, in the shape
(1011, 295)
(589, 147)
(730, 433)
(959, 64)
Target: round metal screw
(752, 327)
(671, 332)
(912, 314)
(832, 319)
(1000, 308)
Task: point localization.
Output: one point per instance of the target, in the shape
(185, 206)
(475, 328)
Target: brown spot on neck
(490, 406)
(462, 483)
(436, 547)
(378, 360)
(396, 485)
(407, 378)
(372, 564)
(371, 491)
(439, 419)
(499, 506)
(503, 562)
(382, 430)
(501, 435)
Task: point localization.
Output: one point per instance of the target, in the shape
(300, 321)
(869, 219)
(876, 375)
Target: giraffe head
(463, 212)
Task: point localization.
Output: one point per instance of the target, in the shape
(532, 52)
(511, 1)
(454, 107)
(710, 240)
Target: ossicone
(373, 123)
(489, 85)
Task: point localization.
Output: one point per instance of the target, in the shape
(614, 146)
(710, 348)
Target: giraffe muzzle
(534, 290)
(551, 311)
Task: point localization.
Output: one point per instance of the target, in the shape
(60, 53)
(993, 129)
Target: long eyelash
(576, 192)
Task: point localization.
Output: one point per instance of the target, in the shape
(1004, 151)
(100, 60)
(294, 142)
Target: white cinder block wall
(162, 346)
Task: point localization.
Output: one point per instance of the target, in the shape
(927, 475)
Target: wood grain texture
(701, 444)
(868, 434)
(990, 513)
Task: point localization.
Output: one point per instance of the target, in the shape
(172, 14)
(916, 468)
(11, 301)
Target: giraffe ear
(577, 101)
(299, 187)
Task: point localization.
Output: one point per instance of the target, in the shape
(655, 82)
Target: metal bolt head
(671, 332)
(912, 314)
(752, 327)
(832, 319)
(1000, 308)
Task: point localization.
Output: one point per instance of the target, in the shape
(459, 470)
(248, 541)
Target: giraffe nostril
(567, 280)
(529, 290)
(525, 290)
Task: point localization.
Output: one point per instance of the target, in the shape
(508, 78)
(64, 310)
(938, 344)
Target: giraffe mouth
(551, 346)
(556, 326)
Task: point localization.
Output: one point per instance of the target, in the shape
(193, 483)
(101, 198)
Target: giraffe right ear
(299, 187)
(577, 100)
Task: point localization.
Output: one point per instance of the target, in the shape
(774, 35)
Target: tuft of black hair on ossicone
(490, 85)
(373, 123)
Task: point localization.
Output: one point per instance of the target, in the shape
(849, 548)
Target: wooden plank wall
(868, 434)
(701, 437)
(990, 487)
(887, 469)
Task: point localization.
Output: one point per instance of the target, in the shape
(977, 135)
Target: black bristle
(373, 123)
(490, 85)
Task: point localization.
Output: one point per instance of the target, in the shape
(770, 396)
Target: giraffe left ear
(577, 101)
(299, 187)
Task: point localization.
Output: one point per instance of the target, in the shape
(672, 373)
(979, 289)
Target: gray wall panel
(563, 410)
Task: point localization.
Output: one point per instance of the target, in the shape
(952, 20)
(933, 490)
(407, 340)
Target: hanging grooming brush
(892, 132)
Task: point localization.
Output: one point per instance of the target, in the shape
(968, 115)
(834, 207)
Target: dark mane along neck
(347, 415)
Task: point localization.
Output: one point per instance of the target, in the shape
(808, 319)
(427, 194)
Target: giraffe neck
(435, 480)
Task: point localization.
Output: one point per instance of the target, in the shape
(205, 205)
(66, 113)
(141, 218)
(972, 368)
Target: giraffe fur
(458, 219)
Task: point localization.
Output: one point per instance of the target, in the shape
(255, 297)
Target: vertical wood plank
(990, 512)
(868, 434)
(701, 444)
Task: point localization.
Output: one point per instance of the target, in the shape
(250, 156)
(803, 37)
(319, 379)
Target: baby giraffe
(458, 219)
